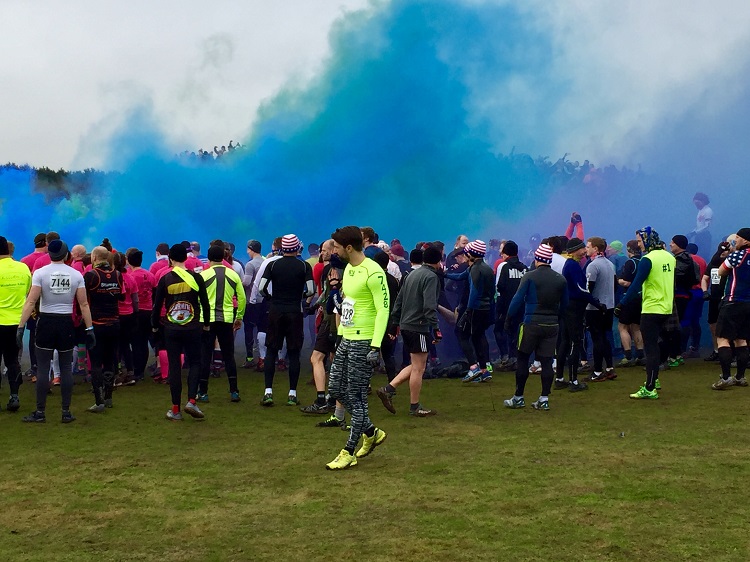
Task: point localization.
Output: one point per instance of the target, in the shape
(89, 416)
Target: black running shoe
(315, 408)
(333, 421)
(35, 417)
(67, 417)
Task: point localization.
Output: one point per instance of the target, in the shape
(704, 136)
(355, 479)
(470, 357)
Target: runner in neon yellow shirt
(15, 282)
(364, 316)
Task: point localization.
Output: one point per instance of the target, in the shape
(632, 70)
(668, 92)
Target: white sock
(596, 374)
(543, 399)
(269, 391)
(292, 393)
(517, 398)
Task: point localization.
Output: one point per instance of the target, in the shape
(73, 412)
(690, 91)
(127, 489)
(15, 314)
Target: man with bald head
(77, 254)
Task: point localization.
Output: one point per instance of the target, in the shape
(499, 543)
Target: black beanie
(432, 256)
(4, 248)
(415, 256)
(744, 233)
(178, 253)
(58, 250)
(574, 244)
(510, 248)
(681, 241)
(216, 254)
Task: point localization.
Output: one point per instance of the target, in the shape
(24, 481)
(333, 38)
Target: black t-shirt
(628, 270)
(104, 289)
(717, 284)
(289, 277)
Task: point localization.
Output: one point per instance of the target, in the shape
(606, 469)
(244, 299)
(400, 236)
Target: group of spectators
(203, 156)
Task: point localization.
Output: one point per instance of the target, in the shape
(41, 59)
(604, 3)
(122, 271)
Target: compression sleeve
(381, 299)
(641, 274)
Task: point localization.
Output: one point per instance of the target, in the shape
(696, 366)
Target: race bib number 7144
(59, 283)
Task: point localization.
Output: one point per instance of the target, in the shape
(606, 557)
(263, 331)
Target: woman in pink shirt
(146, 283)
(128, 308)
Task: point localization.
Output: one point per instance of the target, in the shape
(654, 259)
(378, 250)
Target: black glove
(437, 335)
(575, 218)
(602, 307)
(90, 339)
(373, 358)
(19, 337)
(618, 310)
(706, 296)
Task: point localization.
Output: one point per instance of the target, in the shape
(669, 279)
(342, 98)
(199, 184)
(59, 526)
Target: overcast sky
(71, 68)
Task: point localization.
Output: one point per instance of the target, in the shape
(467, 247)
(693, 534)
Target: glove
(725, 247)
(90, 339)
(706, 296)
(437, 335)
(618, 310)
(575, 218)
(601, 306)
(19, 337)
(373, 358)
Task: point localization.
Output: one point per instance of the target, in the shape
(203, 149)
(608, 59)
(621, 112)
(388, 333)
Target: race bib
(715, 279)
(347, 312)
(59, 283)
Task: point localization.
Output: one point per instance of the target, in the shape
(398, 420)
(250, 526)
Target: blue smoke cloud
(390, 134)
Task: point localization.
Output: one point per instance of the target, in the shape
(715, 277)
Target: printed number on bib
(347, 312)
(59, 283)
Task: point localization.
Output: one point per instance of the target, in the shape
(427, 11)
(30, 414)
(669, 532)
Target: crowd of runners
(100, 315)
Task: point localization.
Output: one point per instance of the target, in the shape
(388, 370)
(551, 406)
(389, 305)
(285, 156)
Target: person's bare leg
(418, 364)
(319, 370)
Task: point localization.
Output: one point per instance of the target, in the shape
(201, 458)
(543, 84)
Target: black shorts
(287, 326)
(713, 310)
(539, 339)
(734, 321)
(325, 342)
(415, 342)
(631, 313)
(55, 331)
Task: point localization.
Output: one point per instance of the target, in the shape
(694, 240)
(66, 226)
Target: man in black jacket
(507, 279)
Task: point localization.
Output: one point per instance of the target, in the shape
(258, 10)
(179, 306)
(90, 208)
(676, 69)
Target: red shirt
(701, 269)
(318, 274)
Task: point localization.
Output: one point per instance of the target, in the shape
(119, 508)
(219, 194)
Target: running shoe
(342, 461)
(107, 402)
(510, 366)
(625, 362)
(740, 382)
(585, 367)
(486, 377)
(676, 362)
(474, 373)
(691, 353)
(643, 393)
(35, 417)
(489, 367)
(387, 399)
(248, 364)
(202, 397)
(580, 386)
(610, 374)
(640, 362)
(292, 400)
(56, 381)
(535, 369)
(173, 417)
(723, 383)
(333, 421)
(281, 365)
(260, 366)
(67, 417)
(421, 412)
(561, 384)
(96, 408)
(315, 408)
(215, 373)
(600, 377)
(193, 409)
(541, 405)
(369, 443)
(233, 396)
(267, 400)
(657, 384)
(514, 403)
(14, 403)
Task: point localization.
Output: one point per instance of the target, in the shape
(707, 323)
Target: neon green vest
(658, 288)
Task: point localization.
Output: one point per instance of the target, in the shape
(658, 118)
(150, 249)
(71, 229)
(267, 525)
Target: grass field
(599, 477)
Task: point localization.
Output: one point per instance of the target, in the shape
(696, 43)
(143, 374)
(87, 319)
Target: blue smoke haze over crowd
(404, 129)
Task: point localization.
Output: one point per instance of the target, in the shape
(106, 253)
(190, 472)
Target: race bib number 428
(347, 312)
(59, 283)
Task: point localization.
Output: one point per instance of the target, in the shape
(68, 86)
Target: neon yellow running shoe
(342, 461)
(657, 384)
(643, 393)
(369, 443)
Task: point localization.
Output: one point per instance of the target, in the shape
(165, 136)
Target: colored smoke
(405, 129)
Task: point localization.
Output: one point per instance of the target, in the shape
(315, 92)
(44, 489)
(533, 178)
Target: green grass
(599, 477)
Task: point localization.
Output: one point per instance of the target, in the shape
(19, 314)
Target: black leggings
(387, 349)
(472, 339)
(224, 332)
(128, 324)
(9, 354)
(571, 340)
(44, 358)
(600, 326)
(175, 342)
(269, 369)
(141, 337)
(103, 361)
(522, 373)
(651, 327)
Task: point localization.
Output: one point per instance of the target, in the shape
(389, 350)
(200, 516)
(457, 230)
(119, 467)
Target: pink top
(159, 265)
(130, 288)
(194, 264)
(41, 261)
(78, 266)
(30, 260)
(146, 283)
